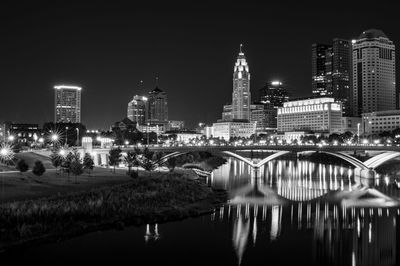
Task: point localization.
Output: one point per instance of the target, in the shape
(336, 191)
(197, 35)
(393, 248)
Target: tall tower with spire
(241, 96)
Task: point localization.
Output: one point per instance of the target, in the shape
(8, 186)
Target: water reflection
(350, 223)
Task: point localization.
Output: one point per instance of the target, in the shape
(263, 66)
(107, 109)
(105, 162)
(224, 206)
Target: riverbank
(160, 198)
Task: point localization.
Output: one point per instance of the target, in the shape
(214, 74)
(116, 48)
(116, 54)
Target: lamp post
(147, 131)
(358, 133)
(77, 136)
(66, 136)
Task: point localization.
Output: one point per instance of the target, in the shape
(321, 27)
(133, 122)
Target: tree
(56, 159)
(66, 163)
(114, 157)
(76, 167)
(88, 163)
(38, 168)
(131, 160)
(171, 163)
(22, 166)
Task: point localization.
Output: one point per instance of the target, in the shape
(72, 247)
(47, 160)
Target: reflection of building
(378, 122)
(374, 74)
(67, 103)
(137, 109)
(317, 114)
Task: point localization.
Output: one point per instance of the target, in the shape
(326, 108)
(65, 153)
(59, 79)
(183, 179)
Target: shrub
(22, 166)
(38, 168)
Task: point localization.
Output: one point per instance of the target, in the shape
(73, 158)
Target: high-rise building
(274, 93)
(67, 106)
(137, 109)
(321, 62)
(374, 82)
(341, 73)
(272, 96)
(331, 71)
(157, 107)
(241, 96)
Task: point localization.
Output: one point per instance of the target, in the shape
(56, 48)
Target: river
(291, 212)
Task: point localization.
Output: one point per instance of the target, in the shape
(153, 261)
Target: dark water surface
(290, 213)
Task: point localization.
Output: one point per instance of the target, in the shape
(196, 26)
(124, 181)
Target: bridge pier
(364, 174)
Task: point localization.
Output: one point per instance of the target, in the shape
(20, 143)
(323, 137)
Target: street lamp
(66, 136)
(148, 125)
(358, 133)
(11, 138)
(77, 136)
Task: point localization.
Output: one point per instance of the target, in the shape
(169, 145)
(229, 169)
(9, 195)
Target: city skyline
(106, 73)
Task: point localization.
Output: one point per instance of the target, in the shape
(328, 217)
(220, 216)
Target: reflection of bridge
(362, 169)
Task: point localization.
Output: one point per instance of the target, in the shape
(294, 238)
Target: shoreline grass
(160, 198)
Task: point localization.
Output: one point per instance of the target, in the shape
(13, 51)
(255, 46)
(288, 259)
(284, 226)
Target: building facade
(374, 82)
(320, 115)
(378, 122)
(320, 69)
(157, 107)
(230, 129)
(137, 109)
(351, 124)
(67, 104)
(331, 71)
(241, 97)
(264, 115)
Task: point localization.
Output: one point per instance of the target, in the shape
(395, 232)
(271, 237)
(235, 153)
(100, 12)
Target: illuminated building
(320, 115)
(227, 112)
(378, 122)
(374, 87)
(241, 96)
(264, 115)
(157, 107)
(175, 125)
(272, 96)
(321, 74)
(67, 104)
(331, 71)
(137, 109)
(349, 124)
(230, 129)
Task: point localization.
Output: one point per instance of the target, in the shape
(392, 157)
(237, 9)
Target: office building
(374, 82)
(321, 69)
(331, 71)
(320, 115)
(157, 107)
(350, 124)
(137, 109)
(378, 122)
(175, 125)
(264, 115)
(229, 129)
(241, 97)
(67, 104)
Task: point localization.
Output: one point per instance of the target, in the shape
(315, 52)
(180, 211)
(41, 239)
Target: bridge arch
(380, 159)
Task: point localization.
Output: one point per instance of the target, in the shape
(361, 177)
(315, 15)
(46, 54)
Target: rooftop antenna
(156, 81)
(240, 49)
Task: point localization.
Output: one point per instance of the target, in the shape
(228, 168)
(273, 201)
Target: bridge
(362, 169)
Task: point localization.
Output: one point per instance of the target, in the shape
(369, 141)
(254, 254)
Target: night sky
(109, 49)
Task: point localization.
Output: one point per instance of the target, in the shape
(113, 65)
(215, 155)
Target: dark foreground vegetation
(160, 198)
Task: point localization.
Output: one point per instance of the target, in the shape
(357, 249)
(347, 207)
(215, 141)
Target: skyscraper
(321, 69)
(272, 96)
(241, 96)
(67, 104)
(341, 73)
(374, 82)
(331, 71)
(137, 109)
(157, 107)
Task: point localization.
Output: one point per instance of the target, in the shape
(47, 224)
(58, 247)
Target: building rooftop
(382, 113)
(372, 34)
